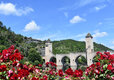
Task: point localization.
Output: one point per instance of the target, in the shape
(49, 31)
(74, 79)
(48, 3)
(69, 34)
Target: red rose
(2, 68)
(12, 47)
(69, 71)
(80, 72)
(16, 51)
(98, 64)
(51, 72)
(76, 73)
(14, 63)
(45, 77)
(92, 65)
(40, 65)
(14, 77)
(60, 72)
(109, 67)
(34, 78)
(47, 64)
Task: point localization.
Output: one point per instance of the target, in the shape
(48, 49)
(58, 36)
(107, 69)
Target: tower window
(46, 45)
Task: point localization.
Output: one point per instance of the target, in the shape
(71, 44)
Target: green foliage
(25, 59)
(82, 60)
(36, 62)
(34, 55)
(83, 68)
(67, 46)
(2, 47)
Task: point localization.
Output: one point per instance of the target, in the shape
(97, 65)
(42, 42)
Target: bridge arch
(52, 59)
(80, 60)
(65, 62)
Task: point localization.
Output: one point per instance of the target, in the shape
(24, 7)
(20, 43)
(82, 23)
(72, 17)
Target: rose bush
(12, 69)
(103, 68)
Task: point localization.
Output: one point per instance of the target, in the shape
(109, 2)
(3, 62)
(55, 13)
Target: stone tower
(48, 50)
(89, 49)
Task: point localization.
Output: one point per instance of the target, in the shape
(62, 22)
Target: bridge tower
(89, 49)
(48, 50)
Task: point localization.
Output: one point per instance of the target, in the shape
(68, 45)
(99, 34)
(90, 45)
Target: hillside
(69, 45)
(23, 43)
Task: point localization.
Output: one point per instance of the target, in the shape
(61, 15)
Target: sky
(60, 19)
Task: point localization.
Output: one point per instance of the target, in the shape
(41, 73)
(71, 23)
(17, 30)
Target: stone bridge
(88, 54)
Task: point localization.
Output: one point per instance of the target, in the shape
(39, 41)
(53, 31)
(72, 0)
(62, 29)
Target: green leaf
(105, 66)
(101, 75)
(7, 77)
(112, 75)
(106, 71)
(0, 73)
(2, 63)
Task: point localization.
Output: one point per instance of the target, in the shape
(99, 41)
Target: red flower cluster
(23, 73)
(2, 68)
(50, 63)
(103, 67)
(8, 55)
(78, 73)
(60, 72)
(69, 71)
(13, 70)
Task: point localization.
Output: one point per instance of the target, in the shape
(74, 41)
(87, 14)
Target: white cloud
(99, 34)
(112, 47)
(9, 8)
(85, 2)
(112, 42)
(100, 23)
(31, 26)
(76, 19)
(82, 3)
(97, 8)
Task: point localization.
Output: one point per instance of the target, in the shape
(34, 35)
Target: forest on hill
(69, 45)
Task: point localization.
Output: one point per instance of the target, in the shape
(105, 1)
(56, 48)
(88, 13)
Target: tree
(9, 29)
(36, 62)
(1, 24)
(33, 55)
(2, 47)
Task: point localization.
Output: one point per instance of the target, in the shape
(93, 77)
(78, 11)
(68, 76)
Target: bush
(103, 68)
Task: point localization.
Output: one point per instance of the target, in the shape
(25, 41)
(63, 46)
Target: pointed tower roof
(48, 41)
(89, 35)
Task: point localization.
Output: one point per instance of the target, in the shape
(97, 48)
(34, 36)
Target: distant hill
(69, 45)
